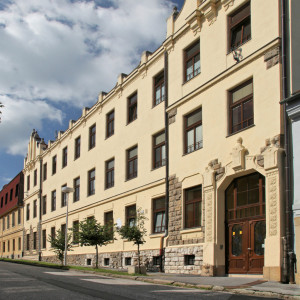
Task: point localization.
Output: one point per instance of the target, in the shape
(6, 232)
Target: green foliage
(58, 244)
(135, 232)
(92, 233)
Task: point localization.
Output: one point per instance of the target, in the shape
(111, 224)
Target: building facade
(11, 218)
(193, 136)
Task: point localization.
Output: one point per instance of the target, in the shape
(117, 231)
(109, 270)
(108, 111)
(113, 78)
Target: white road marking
(179, 291)
(70, 273)
(117, 281)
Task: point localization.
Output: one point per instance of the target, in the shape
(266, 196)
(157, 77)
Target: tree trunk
(96, 256)
(139, 262)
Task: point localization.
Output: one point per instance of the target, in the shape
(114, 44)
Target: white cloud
(18, 120)
(67, 51)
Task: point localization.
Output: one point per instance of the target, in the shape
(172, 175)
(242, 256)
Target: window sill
(231, 50)
(191, 230)
(156, 235)
(192, 151)
(236, 132)
(153, 169)
(128, 179)
(191, 78)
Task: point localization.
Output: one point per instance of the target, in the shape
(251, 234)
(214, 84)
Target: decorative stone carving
(194, 20)
(209, 176)
(272, 57)
(209, 10)
(227, 3)
(272, 155)
(172, 113)
(208, 195)
(273, 202)
(238, 155)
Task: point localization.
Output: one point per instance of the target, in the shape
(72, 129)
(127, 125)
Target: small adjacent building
(11, 218)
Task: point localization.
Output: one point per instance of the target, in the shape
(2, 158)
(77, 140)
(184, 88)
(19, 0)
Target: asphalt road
(29, 282)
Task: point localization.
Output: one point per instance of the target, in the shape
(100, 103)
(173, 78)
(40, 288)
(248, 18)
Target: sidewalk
(254, 286)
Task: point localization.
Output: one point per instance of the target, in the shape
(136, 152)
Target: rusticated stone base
(175, 260)
(112, 260)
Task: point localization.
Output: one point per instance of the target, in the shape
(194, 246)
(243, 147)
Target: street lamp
(66, 190)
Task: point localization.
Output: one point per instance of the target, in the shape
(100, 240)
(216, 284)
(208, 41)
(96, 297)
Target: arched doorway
(245, 225)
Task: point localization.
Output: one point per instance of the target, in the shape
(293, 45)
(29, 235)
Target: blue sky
(57, 55)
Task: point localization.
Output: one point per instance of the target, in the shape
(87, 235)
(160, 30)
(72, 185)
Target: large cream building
(193, 136)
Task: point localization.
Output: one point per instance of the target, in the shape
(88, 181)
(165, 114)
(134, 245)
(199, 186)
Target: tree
(135, 232)
(58, 244)
(92, 233)
(1, 105)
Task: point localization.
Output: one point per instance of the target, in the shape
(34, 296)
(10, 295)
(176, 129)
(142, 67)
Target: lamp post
(66, 190)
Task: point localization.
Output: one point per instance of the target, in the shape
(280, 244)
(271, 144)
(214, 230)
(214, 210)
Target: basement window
(127, 261)
(189, 260)
(89, 262)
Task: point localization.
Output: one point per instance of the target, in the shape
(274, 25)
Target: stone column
(209, 222)
(274, 212)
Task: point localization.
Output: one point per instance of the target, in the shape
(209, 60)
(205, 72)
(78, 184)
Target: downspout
(40, 208)
(288, 266)
(166, 62)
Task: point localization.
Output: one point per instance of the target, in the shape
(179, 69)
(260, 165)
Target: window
(53, 164)
(13, 219)
(34, 240)
(35, 177)
(127, 261)
(239, 27)
(27, 241)
(19, 216)
(91, 182)
(3, 246)
(109, 173)
(159, 215)
(28, 183)
(192, 207)
(76, 194)
(19, 243)
(53, 233)
(159, 150)
(241, 107)
(44, 171)
(63, 197)
(6, 198)
(132, 162)
(189, 260)
(92, 137)
(65, 157)
(63, 229)
(11, 194)
(75, 232)
(132, 108)
(106, 261)
(159, 89)
(17, 190)
(130, 215)
(53, 200)
(193, 131)
(34, 208)
(3, 223)
(44, 239)
(192, 61)
(77, 147)
(8, 246)
(14, 245)
(110, 124)
(44, 205)
(8, 222)
(109, 221)
(156, 260)
(1, 202)
(27, 212)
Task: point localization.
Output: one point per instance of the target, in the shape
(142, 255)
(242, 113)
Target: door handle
(249, 249)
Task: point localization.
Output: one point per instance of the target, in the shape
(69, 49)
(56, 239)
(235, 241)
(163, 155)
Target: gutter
(289, 256)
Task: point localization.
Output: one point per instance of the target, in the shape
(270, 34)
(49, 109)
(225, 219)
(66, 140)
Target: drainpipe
(289, 261)
(40, 209)
(161, 252)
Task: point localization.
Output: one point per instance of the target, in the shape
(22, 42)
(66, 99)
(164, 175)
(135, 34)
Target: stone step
(33, 257)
